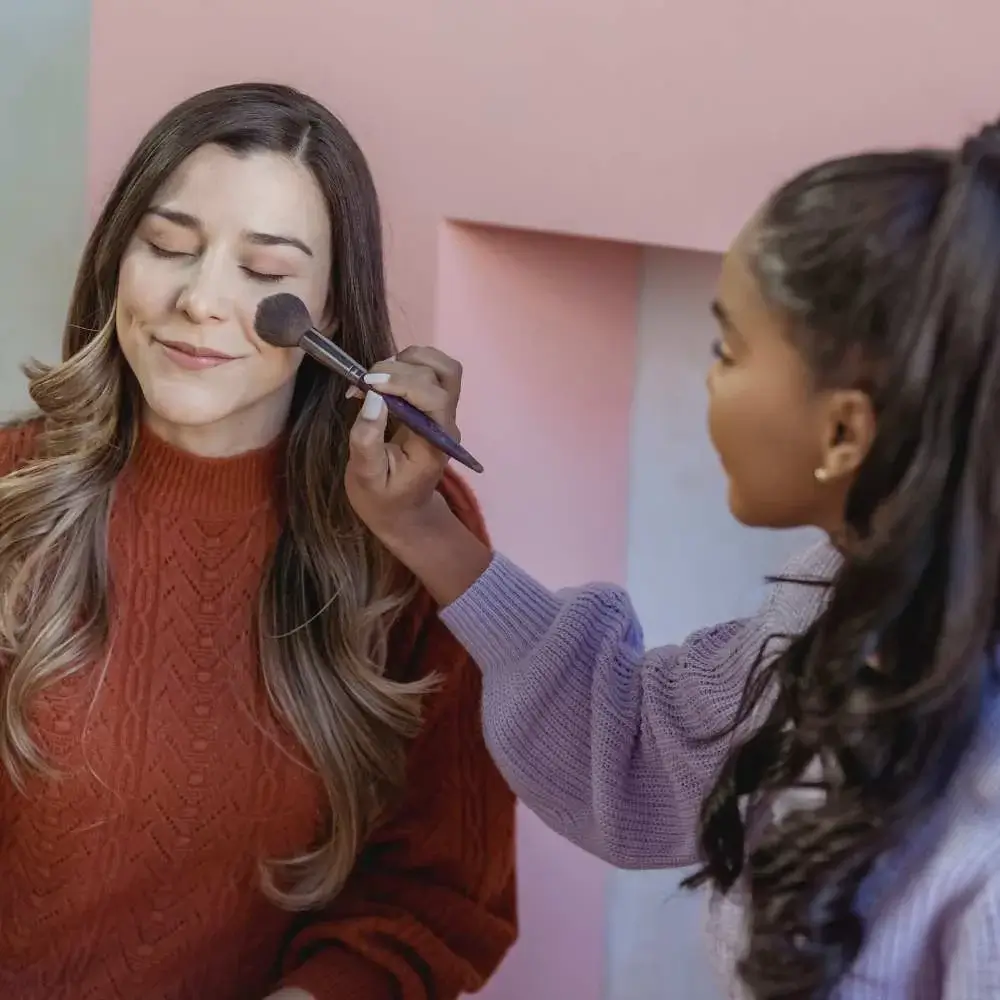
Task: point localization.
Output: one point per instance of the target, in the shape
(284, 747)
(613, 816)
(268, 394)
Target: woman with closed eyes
(240, 756)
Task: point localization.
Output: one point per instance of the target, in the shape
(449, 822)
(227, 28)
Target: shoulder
(819, 561)
(972, 968)
(802, 588)
(957, 866)
(19, 441)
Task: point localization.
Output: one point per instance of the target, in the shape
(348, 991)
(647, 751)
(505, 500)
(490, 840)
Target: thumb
(369, 459)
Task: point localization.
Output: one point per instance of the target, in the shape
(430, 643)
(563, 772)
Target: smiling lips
(193, 358)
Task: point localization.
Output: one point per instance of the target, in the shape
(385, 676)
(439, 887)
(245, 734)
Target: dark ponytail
(889, 266)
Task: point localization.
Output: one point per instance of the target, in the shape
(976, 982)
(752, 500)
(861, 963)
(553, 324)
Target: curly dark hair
(888, 265)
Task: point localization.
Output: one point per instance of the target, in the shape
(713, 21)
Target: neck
(170, 479)
(236, 434)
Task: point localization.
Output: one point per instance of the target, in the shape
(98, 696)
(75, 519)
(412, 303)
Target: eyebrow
(260, 239)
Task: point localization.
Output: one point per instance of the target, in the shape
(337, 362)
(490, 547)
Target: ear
(848, 429)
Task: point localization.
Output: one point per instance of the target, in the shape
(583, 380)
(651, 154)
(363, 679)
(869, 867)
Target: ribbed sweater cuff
(504, 613)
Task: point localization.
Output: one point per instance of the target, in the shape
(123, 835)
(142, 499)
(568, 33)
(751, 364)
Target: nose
(205, 297)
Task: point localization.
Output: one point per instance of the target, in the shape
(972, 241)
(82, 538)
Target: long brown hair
(330, 593)
(888, 266)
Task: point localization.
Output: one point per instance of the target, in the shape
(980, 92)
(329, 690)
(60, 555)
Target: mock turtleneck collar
(175, 481)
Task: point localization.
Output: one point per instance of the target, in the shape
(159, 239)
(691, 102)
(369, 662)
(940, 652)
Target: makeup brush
(283, 320)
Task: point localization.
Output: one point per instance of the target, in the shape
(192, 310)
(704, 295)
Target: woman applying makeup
(239, 754)
(833, 763)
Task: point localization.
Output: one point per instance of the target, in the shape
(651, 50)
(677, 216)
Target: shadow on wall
(43, 144)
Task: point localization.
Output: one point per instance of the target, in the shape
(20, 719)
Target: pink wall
(531, 315)
(621, 121)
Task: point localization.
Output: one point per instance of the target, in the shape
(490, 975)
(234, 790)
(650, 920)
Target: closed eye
(159, 251)
(260, 276)
(166, 254)
(720, 353)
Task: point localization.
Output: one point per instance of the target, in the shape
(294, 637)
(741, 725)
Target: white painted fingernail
(371, 408)
(377, 378)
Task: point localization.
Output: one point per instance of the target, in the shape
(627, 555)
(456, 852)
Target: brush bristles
(282, 320)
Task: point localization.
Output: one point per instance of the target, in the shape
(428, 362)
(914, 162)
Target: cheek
(316, 298)
(753, 416)
(724, 405)
(145, 296)
(273, 368)
(144, 291)
(764, 437)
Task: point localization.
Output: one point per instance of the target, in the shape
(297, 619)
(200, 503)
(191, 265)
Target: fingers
(424, 386)
(369, 455)
(447, 369)
(374, 378)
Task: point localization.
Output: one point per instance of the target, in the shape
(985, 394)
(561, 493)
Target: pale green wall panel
(44, 58)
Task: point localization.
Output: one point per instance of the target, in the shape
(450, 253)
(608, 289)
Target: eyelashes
(158, 251)
(267, 279)
(259, 276)
(719, 352)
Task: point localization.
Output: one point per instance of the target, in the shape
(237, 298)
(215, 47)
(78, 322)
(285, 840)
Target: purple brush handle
(418, 422)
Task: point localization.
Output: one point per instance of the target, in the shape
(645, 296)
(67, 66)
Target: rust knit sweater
(133, 875)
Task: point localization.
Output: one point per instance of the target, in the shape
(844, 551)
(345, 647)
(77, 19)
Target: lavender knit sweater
(598, 737)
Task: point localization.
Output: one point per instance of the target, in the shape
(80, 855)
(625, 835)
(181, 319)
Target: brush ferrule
(328, 353)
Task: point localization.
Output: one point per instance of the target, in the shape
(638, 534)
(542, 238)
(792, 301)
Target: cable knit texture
(135, 873)
(610, 745)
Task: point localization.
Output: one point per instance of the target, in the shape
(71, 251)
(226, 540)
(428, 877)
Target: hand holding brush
(283, 321)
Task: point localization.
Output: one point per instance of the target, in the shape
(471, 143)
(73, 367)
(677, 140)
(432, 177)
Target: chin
(765, 516)
(748, 514)
(748, 521)
(736, 507)
(188, 406)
